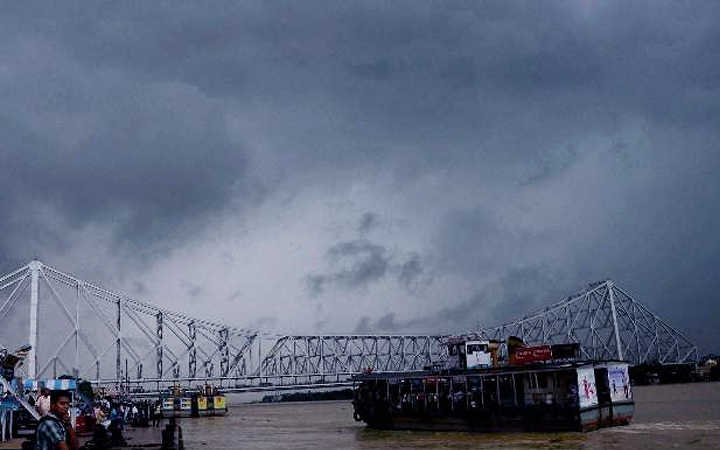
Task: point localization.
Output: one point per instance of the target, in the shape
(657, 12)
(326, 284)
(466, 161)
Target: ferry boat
(208, 402)
(539, 388)
(178, 402)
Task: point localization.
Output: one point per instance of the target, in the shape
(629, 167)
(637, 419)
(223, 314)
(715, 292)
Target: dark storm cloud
(411, 270)
(363, 326)
(517, 293)
(360, 262)
(581, 137)
(368, 221)
(384, 324)
(96, 144)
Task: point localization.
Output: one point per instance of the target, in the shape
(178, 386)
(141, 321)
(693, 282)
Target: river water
(667, 416)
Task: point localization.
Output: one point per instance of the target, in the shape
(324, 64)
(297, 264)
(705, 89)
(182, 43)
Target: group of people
(138, 414)
(55, 430)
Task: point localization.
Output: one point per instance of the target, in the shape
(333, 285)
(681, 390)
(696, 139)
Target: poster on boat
(619, 382)
(587, 391)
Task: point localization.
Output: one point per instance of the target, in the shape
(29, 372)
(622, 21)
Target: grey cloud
(265, 322)
(194, 291)
(378, 70)
(368, 221)
(361, 262)
(235, 296)
(363, 326)
(149, 159)
(387, 323)
(384, 324)
(316, 284)
(515, 294)
(139, 288)
(411, 270)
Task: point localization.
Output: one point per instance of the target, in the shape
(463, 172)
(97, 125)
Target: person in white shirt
(43, 402)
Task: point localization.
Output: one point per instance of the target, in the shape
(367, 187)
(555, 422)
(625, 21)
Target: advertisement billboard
(531, 355)
(619, 382)
(587, 391)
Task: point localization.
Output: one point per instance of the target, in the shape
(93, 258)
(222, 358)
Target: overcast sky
(367, 166)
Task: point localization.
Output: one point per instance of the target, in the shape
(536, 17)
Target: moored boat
(209, 402)
(176, 402)
(539, 388)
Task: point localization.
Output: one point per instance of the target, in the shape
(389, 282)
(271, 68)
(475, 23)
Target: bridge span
(81, 329)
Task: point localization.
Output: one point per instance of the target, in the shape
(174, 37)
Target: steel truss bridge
(81, 329)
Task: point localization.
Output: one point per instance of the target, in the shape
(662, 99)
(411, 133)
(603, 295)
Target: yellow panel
(202, 403)
(219, 402)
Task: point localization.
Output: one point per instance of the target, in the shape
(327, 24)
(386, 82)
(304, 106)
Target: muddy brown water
(668, 416)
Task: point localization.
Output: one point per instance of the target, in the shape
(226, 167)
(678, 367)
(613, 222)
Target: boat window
(507, 391)
(490, 391)
(542, 380)
(475, 394)
(458, 393)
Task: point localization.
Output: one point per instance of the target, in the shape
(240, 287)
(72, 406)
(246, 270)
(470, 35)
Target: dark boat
(178, 402)
(209, 402)
(534, 390)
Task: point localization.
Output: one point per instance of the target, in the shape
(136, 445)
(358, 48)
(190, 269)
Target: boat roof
(503, 370)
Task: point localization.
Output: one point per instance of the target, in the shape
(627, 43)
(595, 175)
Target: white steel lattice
(107, 337)
(608, 323)
(317, 356)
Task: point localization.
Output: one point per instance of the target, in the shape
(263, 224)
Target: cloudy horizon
(367, 167)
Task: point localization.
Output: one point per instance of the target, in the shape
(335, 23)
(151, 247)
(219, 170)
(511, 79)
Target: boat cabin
(571, 396)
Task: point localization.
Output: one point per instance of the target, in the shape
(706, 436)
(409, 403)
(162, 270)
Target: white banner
(586, 387)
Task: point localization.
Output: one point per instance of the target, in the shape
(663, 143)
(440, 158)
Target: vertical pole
(159, 348)
(482, 391)
(452, 395)
(260, 355)
(192, 355)
(224, 352)
(33, 339)
(611, 295)
(77, 333)
(73, 410)
(322, 361)
(118, 369)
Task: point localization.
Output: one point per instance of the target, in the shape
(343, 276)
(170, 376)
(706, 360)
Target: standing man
(43, 402)
(55, 431)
